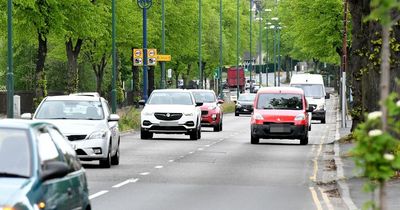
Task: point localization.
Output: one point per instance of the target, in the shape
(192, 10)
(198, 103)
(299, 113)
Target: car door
(77, 177)
(113, 126)
(56, 192)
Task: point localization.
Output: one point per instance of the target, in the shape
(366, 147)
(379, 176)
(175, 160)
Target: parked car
(211, 112)
(280, 113)
(244, 104)
(87, 122)
(39, 169)
(171, 111)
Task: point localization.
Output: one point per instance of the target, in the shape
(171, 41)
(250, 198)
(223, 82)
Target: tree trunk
(203, 67)
(372, 96)
(72, 55)
(385, 74)
(99, 70)
(151, 79)
(40, 80)
(185, 76)
(395, 56)
(358, 61)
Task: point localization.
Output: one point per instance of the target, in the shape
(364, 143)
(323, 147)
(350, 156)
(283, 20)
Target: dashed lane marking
(145, 173)
(159, 167)
(200, 149)
(171, 161)
(98, 194)
(125, 183)
(315, 198)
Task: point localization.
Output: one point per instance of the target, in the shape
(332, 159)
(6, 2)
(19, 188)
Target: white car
(87, 122)
(172, 111)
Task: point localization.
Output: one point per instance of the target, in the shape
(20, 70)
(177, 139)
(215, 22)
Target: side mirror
(26, 116)
(199, 103)
(220, 101)
(54, 169)
(113, 117)
(310, 109)
(142, 102)
(327, 96)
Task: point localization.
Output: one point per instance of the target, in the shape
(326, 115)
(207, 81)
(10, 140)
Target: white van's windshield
(311, 90)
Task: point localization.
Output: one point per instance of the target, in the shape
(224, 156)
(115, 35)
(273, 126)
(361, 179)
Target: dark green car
(39, 168)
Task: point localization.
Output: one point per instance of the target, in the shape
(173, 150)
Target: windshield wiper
(5, 174)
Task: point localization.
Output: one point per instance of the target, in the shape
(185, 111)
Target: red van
(280, 113)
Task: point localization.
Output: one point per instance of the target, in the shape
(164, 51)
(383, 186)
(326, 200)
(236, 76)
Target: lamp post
(163, 43)
(275, 43)
(251, 44)
(200, 59)
(260, 49)
(145, 5)
(279, 55)
(114, 62)
(10, 74)
(220, 51)
(237, 48)
(267, 47)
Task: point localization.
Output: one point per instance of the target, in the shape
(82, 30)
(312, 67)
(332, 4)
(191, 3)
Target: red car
(280, 113)
(211, 111)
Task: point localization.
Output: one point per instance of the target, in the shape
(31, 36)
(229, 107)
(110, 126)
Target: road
(220, 171)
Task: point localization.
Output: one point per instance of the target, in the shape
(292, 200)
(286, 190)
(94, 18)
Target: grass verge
(228, 107)
(129, 119)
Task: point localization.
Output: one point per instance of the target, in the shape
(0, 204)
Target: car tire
(323, 121)
(309, 128)
(254, 139)
(304, 140)
(220, 126)
(145, 134)
(194, 134)
(199, 133)
(217, 127)
(115, 158)
(236, 114)
(106, 163)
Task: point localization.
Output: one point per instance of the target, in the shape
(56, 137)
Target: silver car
(88, 124)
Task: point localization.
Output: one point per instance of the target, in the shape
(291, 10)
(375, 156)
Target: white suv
(172, 111)
(86, 120)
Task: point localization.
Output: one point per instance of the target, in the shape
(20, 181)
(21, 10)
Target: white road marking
(145, 173)
(125, 182)
(171, 161)
(207, 145)
(326, 199)
(191, 152)
(181, 156)
(159, 167)
(98, 194)
(315, 198)
(223, 139)
(200, 149)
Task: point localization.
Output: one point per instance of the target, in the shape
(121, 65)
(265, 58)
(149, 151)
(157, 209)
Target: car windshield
(70, 109)
(247, 97)
(311, 90)
(205, 97)
(15, 153)
(280, 101)
(175, 98)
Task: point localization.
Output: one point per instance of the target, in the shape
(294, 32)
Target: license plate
(168, 123)
(279, 129)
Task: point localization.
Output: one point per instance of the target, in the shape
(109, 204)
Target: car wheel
(115, 158)
(216, 127)
(236, 114)
(309, 128)
(254, 140)
(199, 133)
(220, 126)
(106, 163)
(194, 135)
(145, 134)
(304, 140)
(323, 121)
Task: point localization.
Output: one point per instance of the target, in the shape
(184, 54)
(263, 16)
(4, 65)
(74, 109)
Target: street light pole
(279, 56)
(10, 74)
(163, 43)
(200, 64)
(260, 49)
(274, 56)
(251, 42)
(267, 50)
(145, 5)
(237, 49)
(114, 62)
(220, 51)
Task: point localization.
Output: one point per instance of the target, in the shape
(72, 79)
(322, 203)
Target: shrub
(129, 119)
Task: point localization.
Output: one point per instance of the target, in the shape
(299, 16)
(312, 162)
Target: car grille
(76, 137)
(168, 116)
(204, 112)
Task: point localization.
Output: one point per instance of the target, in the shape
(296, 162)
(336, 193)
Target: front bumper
(185, 125)
(278, 131)
(93, 149)
(210, 119)
(318, 114)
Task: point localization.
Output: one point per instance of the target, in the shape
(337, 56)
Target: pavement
(349, 181)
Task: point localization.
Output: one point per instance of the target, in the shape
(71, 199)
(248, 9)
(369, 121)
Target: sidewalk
(350, 183)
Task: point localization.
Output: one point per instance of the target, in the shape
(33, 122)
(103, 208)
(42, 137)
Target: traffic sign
(152, 57)
(163, 58)
(138, 57)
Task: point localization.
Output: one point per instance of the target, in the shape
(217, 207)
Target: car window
(68, 109)
(176, 98)
(106, 107)
(46, 147)
(280, 101)
(15, 153)
(247, 97)
(205, 97)
(66, 149)
(311, 90)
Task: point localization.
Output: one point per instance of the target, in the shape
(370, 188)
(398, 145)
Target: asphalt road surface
(220, 171)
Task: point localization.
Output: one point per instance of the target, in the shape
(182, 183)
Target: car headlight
(188, 114)
(147, 113)
(212, 107)
(258, 116)
(98, 135)
(300, 117)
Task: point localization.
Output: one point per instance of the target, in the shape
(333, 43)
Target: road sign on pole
(152, 57)
(163, 58)
(138, 57)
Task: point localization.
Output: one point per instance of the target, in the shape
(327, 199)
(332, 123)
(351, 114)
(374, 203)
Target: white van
(314, 89)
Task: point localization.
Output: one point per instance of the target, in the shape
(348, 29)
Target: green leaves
(381, 10)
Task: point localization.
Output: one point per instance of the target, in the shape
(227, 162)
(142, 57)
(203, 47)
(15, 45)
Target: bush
(228, 107)
(129, 119)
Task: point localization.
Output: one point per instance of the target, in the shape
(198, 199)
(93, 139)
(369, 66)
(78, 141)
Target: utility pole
(10, 74)
(251, 42)
(220, 51)
(344, 65)
(237, 49)
(163, 43)
(200, 43)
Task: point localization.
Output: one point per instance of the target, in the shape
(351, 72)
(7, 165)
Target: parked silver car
(88, 124)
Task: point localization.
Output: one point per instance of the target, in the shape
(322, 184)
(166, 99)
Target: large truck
(231, 79)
